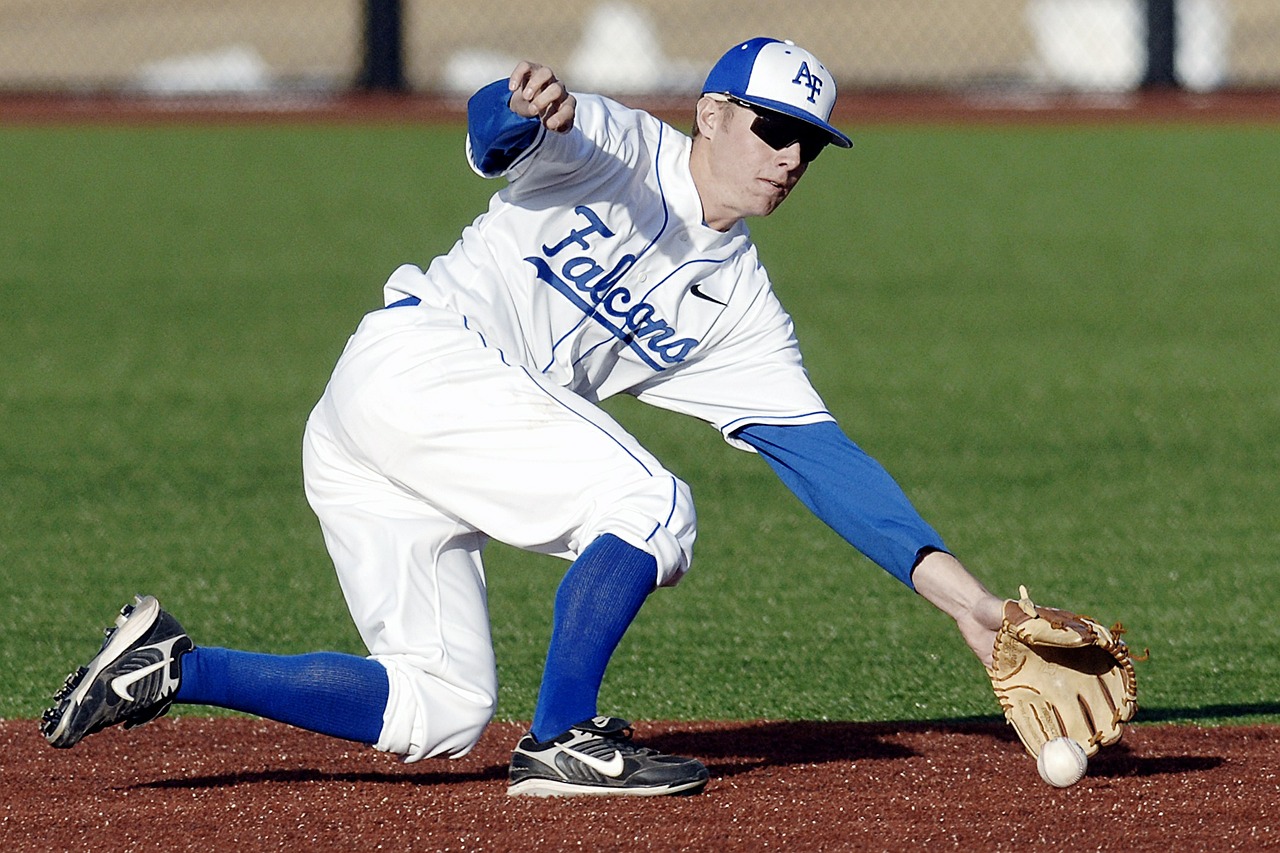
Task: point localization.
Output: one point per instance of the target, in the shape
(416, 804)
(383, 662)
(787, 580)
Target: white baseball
(1062, 762)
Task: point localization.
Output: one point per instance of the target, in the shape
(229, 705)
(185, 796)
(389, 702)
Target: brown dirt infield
(194, 783)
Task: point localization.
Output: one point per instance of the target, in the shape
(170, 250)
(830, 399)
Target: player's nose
(788, 157)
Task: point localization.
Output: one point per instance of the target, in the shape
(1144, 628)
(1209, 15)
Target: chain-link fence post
(382, 65)
(1162, 43)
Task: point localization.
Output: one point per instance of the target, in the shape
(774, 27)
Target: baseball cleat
(132, 679)
(596, 758)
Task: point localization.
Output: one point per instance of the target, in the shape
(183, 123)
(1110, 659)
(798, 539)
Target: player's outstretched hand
(945, 583)
(536, 93)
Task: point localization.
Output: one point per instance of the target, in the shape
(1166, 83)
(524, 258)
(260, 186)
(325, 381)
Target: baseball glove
(1059, 674)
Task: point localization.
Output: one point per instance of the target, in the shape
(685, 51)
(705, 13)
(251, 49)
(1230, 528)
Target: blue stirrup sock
(596, 602)
(327, 692)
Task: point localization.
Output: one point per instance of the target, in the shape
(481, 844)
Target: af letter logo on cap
(805, 77)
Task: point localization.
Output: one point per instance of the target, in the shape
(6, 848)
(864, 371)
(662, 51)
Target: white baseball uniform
(472, 414)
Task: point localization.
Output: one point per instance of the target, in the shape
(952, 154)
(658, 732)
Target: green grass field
(1062, 341)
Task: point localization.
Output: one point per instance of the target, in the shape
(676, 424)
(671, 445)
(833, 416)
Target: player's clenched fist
(535, 92)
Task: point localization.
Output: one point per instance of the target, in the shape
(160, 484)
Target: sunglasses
(779, 131)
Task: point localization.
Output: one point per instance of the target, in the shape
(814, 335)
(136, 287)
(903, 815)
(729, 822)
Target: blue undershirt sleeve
(498, 136)
(848, 490)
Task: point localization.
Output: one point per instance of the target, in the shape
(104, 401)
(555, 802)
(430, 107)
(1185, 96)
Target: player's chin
(770, 196)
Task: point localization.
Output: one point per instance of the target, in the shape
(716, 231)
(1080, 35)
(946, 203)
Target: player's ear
(710, 115)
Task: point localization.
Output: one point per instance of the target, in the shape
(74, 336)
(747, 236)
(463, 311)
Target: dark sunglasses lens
(778, 133)
(775, 133)
(812, 146)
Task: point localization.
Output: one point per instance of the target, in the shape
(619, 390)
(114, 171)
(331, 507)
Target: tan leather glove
(1059, 674)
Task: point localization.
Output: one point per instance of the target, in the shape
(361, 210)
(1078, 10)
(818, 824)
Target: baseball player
(615, 260)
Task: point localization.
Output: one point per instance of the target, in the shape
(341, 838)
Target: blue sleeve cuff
(498, 136)
(848, 490)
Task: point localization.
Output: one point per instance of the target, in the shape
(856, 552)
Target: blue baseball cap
(779, 76)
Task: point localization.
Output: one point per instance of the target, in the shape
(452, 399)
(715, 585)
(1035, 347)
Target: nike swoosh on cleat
(121, 683)
(696, 290)
(612, 768)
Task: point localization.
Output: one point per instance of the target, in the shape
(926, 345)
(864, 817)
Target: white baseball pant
(425, 444)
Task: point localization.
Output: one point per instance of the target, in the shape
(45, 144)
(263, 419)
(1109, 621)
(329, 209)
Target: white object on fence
(1100, 45)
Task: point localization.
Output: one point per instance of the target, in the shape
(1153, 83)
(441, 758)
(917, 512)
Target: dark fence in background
(639, 47)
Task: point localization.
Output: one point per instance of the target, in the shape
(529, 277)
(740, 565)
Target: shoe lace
(621, 741)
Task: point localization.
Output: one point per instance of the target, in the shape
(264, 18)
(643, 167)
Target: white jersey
(593, 268)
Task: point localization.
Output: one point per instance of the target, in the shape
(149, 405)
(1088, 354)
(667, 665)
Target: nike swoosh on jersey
(612, 768)
(696, 290)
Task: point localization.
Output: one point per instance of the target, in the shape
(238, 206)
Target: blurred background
(630, 47)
